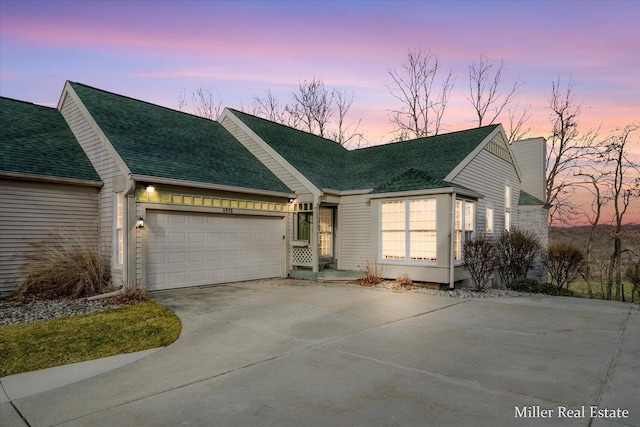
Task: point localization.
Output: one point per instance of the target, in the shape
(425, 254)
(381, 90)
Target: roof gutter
(206, 186)
(433, 191)
(51, 179)
(346, 192)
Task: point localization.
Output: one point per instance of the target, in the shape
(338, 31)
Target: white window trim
(118, 233)
(463, 229)
(508, 203)
(489, 226)
(407, 228)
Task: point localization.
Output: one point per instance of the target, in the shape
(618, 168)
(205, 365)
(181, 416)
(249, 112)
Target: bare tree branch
(485, 91)
(420, 114)
(566, 148)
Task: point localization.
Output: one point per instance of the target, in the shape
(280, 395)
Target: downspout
(130, 244)
(452, 241)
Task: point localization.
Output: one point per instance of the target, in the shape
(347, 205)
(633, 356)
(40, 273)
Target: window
(325, 232)
(464, 225)
(489, 219)
(507, 207)
(118, 230)
(408, 230)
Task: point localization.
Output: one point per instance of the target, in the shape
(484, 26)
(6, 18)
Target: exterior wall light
(150, 188)
(140, 222)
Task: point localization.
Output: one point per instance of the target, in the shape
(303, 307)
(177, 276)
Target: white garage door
(193, 249)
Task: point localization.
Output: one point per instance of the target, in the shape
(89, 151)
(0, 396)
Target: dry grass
(372, 273)
(67, 264)
(404, 280)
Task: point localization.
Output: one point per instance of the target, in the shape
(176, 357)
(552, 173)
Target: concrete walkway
(294, 353)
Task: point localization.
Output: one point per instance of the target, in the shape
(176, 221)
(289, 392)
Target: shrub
(633, 274)
(67, 264)
(372, 273)
(524, 284)
(564, 262)
(480, 259)
(404, 280)
(517, 251)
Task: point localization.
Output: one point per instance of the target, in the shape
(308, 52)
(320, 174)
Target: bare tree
(566, 148)
(203, 103)
(594, 175)
(485, 90)
(518, 119)
(344, 132)
(625, 189)
(313, 105)
(420, 113)
(315, 109)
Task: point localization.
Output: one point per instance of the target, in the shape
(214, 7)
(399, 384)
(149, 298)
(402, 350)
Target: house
(186, 201)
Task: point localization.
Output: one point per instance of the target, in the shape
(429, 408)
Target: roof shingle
(329, 165)
(36, 140)
(160, 142)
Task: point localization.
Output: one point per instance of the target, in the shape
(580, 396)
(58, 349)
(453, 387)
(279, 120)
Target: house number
(227, 210)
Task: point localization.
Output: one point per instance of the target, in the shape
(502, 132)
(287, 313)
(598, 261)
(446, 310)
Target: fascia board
(52, 179)
(273, 153)
(207, 186)
(430, 192)
(346, 192)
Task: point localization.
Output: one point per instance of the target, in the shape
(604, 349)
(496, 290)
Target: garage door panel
(193, 249)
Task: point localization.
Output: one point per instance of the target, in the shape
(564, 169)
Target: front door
(325, 234)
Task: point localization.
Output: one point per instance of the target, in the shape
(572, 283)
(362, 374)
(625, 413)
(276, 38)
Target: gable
(328, 165)
(320, 160)
(36, 140)
(159, 142)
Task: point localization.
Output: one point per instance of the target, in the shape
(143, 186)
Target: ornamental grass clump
(372, 273)
(67, 264)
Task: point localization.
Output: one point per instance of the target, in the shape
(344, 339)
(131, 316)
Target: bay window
(408, 230)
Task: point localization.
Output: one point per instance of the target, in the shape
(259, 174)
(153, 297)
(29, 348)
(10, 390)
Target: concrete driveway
(296, 353)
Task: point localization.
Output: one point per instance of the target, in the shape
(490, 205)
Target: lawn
(38, 345)
(598, 290)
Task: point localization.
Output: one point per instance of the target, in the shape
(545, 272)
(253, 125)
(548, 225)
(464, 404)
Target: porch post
(452, 255)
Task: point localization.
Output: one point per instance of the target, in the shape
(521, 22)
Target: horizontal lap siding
(30, 211)
(355, 233)
(486, 174)
(107, 169)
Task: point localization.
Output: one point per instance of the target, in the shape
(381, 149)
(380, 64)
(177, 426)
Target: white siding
(356, 232)
(30, 211)
(107, 168)
(530, 155)
(487, 174)
(268, 160)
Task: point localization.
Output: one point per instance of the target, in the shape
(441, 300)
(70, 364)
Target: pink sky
(153, 50)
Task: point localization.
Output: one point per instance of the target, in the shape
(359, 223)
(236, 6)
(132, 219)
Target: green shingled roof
(527, 199)
(414, 179)
(320, 160)
(161, 142)
(329, 165)
(36, 140)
